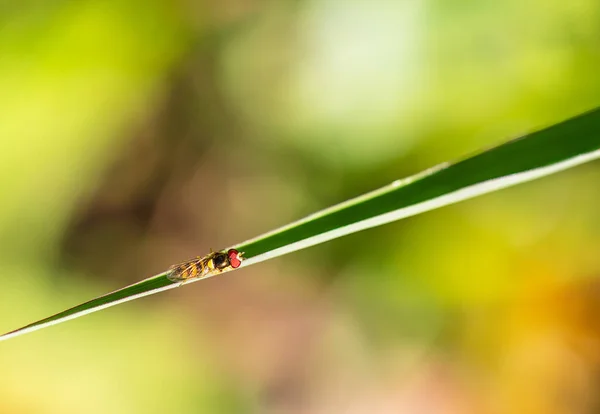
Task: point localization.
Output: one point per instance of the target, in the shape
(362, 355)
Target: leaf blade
(564, 145)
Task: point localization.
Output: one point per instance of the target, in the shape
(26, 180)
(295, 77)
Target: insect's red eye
(234, 259)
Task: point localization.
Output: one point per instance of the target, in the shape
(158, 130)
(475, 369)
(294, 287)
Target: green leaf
(541, 153)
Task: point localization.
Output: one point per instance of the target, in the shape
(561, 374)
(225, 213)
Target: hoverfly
(209, 265)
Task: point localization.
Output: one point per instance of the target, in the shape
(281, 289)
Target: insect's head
(235, 258)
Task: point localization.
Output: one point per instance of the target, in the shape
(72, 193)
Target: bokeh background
(135, 134)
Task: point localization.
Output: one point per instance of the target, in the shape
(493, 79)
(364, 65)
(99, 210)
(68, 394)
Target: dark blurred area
(136, 134)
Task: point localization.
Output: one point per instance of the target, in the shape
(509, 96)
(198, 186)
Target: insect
(211, 264)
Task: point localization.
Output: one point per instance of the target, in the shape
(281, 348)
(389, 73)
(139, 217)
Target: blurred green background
(135, 134)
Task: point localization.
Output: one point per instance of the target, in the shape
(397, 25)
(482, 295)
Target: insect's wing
(182, 270)
(187, 262)
(185, 270)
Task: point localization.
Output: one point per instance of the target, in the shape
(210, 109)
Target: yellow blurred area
(135, 134)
